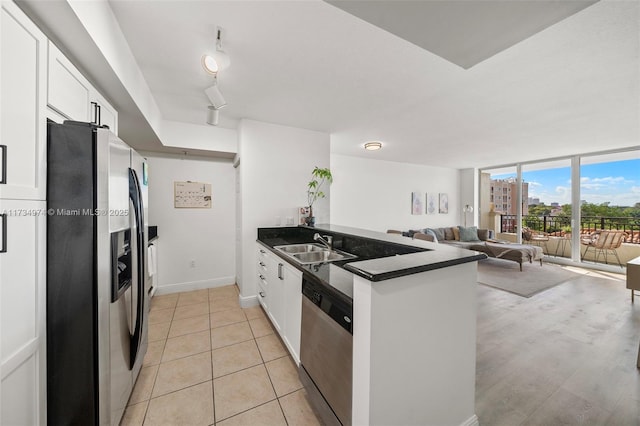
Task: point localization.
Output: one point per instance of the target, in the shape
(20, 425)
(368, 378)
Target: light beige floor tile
(144, 385)
(230, 359)
(218, 304)
(297, 410)
(261, 327)
(182, 373)
(134, 414)
(222, 318)
(158, 331)
(226, 291)
(230, 334)
(284, 375)
(254, 312)
(269, 414)
(191, 406)
(189, 311)
(189, 325)
(161, 315)
(154, 353)
(187, 345)
(193, 297)
(241, 391)
(164, 301)
(271, 347)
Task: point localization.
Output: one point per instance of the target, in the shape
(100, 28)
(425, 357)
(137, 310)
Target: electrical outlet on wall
(192, 264)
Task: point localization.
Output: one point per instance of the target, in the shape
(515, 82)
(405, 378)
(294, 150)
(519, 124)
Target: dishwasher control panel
(339, 311)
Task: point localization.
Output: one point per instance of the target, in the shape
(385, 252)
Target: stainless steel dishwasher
(326, 352)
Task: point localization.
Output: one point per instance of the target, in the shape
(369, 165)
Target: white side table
(633, 276)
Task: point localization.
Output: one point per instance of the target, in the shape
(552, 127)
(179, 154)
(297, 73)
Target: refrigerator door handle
(4, 233)
(136, 198)
(3, 178)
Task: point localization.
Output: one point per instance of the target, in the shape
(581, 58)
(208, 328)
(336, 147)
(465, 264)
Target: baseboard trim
(471, 421)
(248, 301)
(195, 285)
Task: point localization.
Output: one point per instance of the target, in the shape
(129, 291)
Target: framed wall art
(444, 203)
(431, 203)
(416, 203)
(192, 195)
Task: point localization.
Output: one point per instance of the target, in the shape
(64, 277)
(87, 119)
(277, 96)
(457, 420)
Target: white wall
(206, 236)
(275, 167)
(376, 195)
(193, 136)
(469, 194)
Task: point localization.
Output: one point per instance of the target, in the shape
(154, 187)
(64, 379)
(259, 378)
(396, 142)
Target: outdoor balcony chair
(604, 242)
(540, 239)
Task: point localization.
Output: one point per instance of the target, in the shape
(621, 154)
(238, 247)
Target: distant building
(555, 204)
(533, 201)
(504, 196)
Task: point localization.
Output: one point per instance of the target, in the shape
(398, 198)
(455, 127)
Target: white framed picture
(416, 203)
(431, 203)
(444, 203)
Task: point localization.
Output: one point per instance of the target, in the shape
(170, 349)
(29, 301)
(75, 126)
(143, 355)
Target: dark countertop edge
(455, 257)
(415, 270)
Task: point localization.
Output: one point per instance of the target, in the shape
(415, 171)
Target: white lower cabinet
(280, 294)
(22, 312)
(292, 310)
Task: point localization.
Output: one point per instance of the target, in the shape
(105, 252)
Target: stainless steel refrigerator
(97, 283)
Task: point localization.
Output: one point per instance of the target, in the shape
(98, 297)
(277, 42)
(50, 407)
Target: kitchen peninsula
(413, 322)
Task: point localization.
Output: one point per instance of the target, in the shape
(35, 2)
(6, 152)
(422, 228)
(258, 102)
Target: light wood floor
(564, 356)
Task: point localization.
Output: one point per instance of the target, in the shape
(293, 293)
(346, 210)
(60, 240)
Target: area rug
(505, 275)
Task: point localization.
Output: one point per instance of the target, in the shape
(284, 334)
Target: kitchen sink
(300, 248)
(306, 254)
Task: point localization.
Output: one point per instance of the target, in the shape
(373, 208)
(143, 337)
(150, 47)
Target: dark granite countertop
(380, 256)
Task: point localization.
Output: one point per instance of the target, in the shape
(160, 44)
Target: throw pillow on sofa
(456, 233)
(448, 234)
(439, 232)
(431, 232)
(468, 234)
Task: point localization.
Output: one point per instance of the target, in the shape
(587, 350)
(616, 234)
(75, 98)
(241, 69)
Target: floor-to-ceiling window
(570, 200)
(548, 212)
(498, 198)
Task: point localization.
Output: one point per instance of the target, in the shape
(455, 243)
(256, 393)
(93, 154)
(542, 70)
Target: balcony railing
(559, 225)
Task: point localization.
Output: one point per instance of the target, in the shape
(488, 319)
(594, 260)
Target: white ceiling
(571, 87)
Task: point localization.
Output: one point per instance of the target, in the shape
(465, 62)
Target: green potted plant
(319, 178)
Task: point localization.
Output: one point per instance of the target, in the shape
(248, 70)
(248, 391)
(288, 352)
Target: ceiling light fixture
(212, 115)
(372, 146)
(219, 60)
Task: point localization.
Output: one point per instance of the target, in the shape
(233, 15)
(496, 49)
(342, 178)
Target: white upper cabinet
(69, 92)
(23, 138)
(106, 114)
(72, 96)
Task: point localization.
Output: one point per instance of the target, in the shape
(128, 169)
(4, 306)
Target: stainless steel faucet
(327, 240)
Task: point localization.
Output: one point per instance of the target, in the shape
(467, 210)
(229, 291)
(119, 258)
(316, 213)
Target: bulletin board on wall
(192, 195)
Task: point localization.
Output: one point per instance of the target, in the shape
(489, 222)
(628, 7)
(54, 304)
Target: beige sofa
(482, 240)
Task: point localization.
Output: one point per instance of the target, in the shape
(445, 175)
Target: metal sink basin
(306, 254)
(300, 248)
(321, 256)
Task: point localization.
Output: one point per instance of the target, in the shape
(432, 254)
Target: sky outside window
(615, 182)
